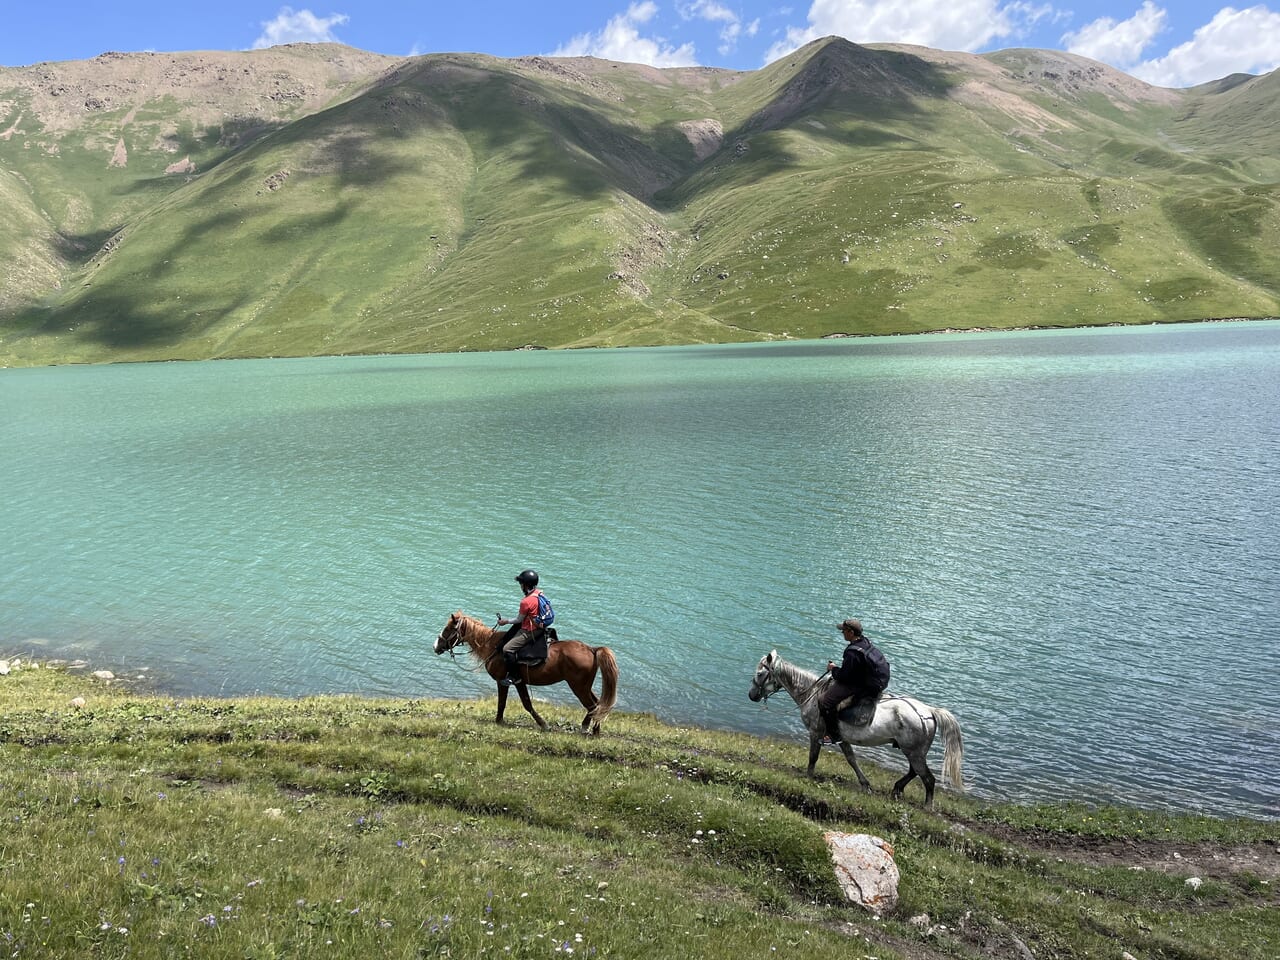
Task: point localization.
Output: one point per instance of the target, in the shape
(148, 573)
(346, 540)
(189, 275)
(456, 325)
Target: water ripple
(1068, 539)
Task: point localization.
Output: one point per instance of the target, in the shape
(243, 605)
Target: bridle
(800, 699)
(452, 641)
(452, 634)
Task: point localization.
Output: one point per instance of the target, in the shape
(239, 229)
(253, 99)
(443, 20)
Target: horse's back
(899, 716)
(573, 651)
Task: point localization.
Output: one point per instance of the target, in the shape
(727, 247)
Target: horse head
(451, 635)
(764, 684)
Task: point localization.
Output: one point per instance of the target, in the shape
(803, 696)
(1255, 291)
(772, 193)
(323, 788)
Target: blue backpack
(546, 616)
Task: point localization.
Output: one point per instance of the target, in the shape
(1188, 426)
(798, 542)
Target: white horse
(904, 722)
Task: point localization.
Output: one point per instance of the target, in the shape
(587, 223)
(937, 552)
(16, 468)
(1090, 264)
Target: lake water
(1070, 539)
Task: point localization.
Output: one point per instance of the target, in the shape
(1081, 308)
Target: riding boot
(513, 670)
(833, 725)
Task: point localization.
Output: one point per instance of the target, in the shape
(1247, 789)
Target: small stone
(4, 668)
(920, 921)
(103, 675)
(602, 885)
(273, 813)
(77, 703)
(1127, 956)
(1194, 882)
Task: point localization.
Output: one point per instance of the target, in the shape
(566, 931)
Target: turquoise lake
(1069, 539)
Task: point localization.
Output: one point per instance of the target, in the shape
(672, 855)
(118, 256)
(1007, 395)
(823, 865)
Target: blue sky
(1168, 42)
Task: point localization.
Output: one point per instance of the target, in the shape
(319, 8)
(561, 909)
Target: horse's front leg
(502, 701)
(523, 690)
(849, 755)
(815, 748)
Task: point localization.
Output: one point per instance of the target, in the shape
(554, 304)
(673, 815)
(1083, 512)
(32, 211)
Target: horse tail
(953, 753)
(608, 684)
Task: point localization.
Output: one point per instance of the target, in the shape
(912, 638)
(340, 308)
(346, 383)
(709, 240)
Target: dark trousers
(516, 640)
(829, 703)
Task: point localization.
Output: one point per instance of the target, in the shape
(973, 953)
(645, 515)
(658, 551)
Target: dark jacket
(863, 668)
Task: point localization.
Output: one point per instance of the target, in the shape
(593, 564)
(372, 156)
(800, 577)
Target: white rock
(103, 675)
(920, 921)
(4, 668)
(1194, 882)
(1127, 956)
(273, 813)
(77, 702)
(866, 870)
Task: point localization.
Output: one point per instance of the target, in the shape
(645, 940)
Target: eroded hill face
(318, 199)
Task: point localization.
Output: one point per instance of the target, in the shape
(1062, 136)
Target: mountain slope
(321, 200)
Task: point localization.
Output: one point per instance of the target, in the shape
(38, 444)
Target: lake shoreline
(525, 348)
(142, 681)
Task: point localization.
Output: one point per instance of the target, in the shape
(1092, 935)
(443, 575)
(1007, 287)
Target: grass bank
(139, 825)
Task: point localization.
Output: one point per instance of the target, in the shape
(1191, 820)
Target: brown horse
(569, 660)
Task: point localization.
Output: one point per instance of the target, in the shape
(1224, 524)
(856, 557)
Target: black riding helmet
(527, 579)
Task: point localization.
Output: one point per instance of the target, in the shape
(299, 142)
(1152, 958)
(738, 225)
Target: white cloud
(1234, 41)
(620, 40)
(302, 26)
(732, 28)
(1119, 43)
(943, 24)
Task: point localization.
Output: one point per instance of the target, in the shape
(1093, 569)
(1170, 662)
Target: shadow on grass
(868, 89)
(80, 248)
(116, 321)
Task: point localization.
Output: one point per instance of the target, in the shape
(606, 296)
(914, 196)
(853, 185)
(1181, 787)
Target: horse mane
(794, 672)
(479, 636)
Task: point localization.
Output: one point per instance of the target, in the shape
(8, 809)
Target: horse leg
(815, 748)
(918, 767)
(589, 700)
(502, 702)
(847, 750)
(910, 774)
(920, 763)
(523, 690)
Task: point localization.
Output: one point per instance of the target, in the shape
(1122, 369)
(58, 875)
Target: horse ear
(772, 656)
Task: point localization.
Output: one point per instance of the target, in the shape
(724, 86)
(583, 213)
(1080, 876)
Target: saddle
(858, 712)
(534, 653)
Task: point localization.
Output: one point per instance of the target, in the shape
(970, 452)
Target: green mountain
(314, 199)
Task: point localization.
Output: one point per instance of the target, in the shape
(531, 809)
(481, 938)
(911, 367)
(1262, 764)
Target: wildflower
(209, 919)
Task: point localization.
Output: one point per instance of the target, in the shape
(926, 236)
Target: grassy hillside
(143, 826)
(327, 201)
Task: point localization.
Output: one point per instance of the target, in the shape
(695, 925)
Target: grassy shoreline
(939, 331)
(142, 825)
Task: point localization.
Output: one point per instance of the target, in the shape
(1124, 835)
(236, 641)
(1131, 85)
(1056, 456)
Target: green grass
(148, 826)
